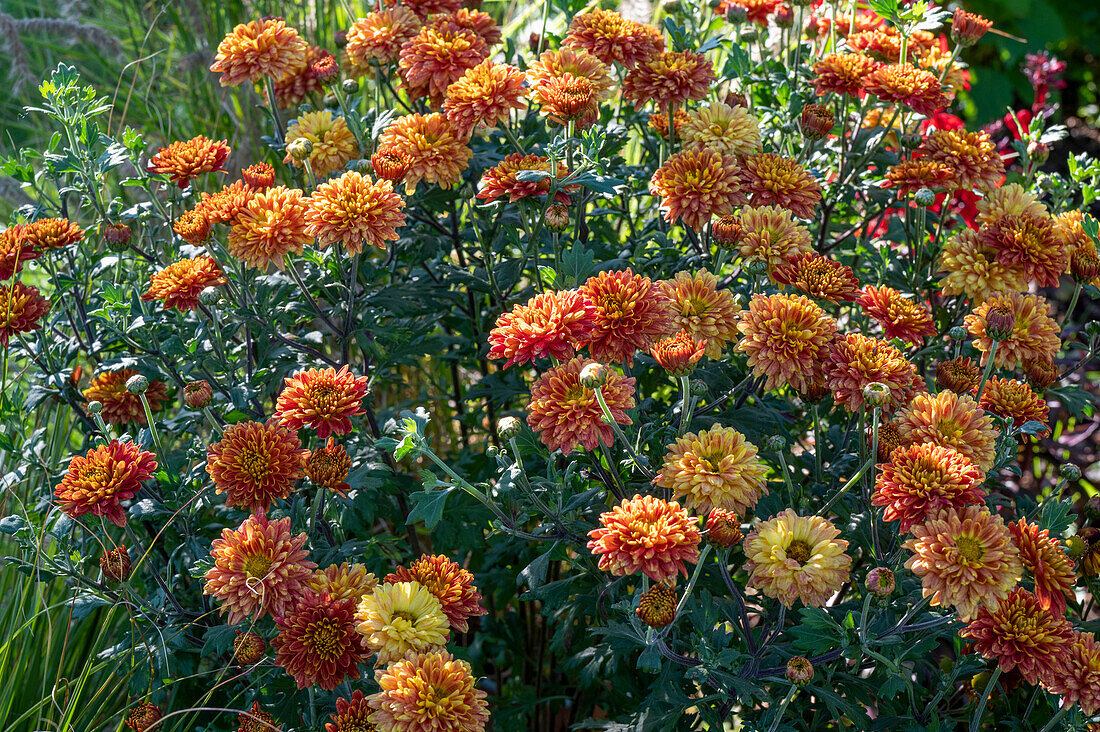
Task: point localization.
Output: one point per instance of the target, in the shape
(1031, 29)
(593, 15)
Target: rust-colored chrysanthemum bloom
(773, 179)
(697, 185)
(272, 225)
(659, 123)
(223, 206)
(716, 468)
(551, 324)
(333, 143)
(720, 128)
(1034, 335)
(923, 479)
(1041, 374)
(792, 557)
(343, 581)
(899, 316)
(397, 618)
(328, 466)
(503, 179)
(910, 176)
(965, 557)
(437, 153)
(678, 354)
(968, 28)
(632, 313)
(257, 720)
(98, 482)
(951, 420)
(566, 413)
(428, 692)
(192, 226)
(972, 155)
(889, 439)
(436, 57)
(669, 79)
(1011, 199)
(115, 563)
(857, 360)
(960, 375)
(258, 176)
(452, 585)
(378, 37)
(248, 648)
(903, 83)
(1051, 570)
(424, 9)
(820, 278)
(723, 529)
(178, 285)
(614, 39)
(321, 399)
(47, 234)
(317, 642)
(648, 535)
(771, 233)
(197, 394)
(389, 164)
(185, 160)
(293, 89)
(973, 269)
(119, 405)
(704, 311)
(1015, 400)
(657, 606)
(263, 48)
(352, 715)
(576, 63)
(22, 308)
(479, 22)
(756, 11)
(354, 210)
(566, 99)
(484, 96)
(259, 568)
(787, 338)
(843, 73)
(1019, 633)
(255, 464)
(1078, 679)
(142, 716)
(15, 251)
(1029, 241)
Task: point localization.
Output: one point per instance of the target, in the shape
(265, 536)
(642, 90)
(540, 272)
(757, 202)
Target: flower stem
(844, 489)
(987, 372)
(619, 433)
(976, 720)
(686, 406)
(1056, 719)
(152, 425)
(1072, 303)
(783, 708)
(694, 578)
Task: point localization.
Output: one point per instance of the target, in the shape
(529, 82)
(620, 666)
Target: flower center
(257, 566)
(255, 463)
(694, 305)
(322, 396)
(799, 551)
(324, 639)
(969, 548)
(435, 701)
(575, 393)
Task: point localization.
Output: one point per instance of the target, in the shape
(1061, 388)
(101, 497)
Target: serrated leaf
(534, 574)
(1056, 517)
(428, 506)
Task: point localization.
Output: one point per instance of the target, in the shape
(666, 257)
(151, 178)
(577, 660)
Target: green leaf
(12, 524)
(1056, 517)
(428, 506)
(534, 574)
(818, 632)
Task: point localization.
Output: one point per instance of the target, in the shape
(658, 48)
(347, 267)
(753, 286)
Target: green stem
(846, 486)
(783, 708)
(976, 720)
(791, 491)
(1072, 303)
(619, 435)
(1056, 719)
(686, 406)
(987, 372)
(694, 578)
(152, 425)
(213, 421)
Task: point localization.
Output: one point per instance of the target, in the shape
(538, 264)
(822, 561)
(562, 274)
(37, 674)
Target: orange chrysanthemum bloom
(503, 179)
(271, 225)
(258, 176)
(566, 99)
(702, 310)
(899, 316)
(437, 153)
(47, 234)
(611, 38)
(820, 278)
(317, 642)
(792, 557)
(678, 354)
(263, 48)
(428, 692)
(906, 84)
(648, 535)
(669, 79)
(328, 466)
(142, 716)
(771, 233)
(98, 482)
(1019, 633)
(426, 8)
(192, 226)
(186, 160)
(293, 89)
(119, 405)
(659, 123)
(951, 420)
(632, 313)
(484, 96)
(333, 143)
(343, 581)
(971, 155)
(1011, 199)
(259, 568)
(1030, 242)
(569, 83)
(352, 715)
(720, 128)
(716, 468)
(257, 720)
(923, 479)
(566, 413)
(321, 399)
(960, 375)
(436, 57)
(1077, 680)
(756, 11)
(452, 585)
(973, 269)
(1015, 400)
(787, 338)
(843, 73)
(551, 324)
(773, 179)
(255, 464)
(378, 37)
(910, 176)
(697, 185)
(22, 308)
(1034, 334)
(965, 557)
(475, 20)
(354, 210)
(401, 617)
(223, 206)
(857, 360)
(178, 285)
(248, 648)
(16, 249)
(1051, 570)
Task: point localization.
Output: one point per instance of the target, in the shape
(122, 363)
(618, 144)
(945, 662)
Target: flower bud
(799, 670)
(1070, 472)
(248, 648)
(999, 322)
(816, 121)
(492, 451)
(1041, 373)
(776, 443)
(1089, 560)
(697, 387)
(299, 149)
(116, 235)
(340, 38)
(968, 28)
(736, 14)
(889, 439)
(1038, 152)
(305, 108)
(325, 71)
(209, 296)
(533, 41)
(881, 582)
(924, 197)
(557, 218)
(594, 375)
(115, 563)
(142, 716)
(197, 394)
(784, 16)
(509, 428)
(137, 384)
(1092, 508)
(876, 394)
(390, 164)
(657, 607)
(349, 86)
(958, 333)
(723, 528)
(737, 99)
(94, 407)
(1084, 264)
(727, 232)
(910, 140)
(757, 266)
(813, 391)
(1076, 546)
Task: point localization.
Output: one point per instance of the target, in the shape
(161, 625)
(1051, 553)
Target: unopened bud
(115, 563)
(94, 407)
(594, 375)
(1076, 546)
(910, 140)
(1041, 373)
(1092, 508)
(881, 582)
(876, 394)
(299, 149)
(784, 16)
(116, 235)
(1084, 263)
(340, 38)
(326, 71)
(924, 197)
(209, 296)
(723, 528)
(968, 28)
(142, 716)
(736, 14)
(197, 394)
(727, 232)
(137, 384)
(248, 648)
(737, 99)
(557, 218)
(757, 266)
(697, 387)
(958, 333)
(799, 670)
(533, 42)
(349, 86)
(305, 108)
(657, 607)
(816, 121)
(509, 428)
(1070, 472)
(999, 322)
(776, 443)
(1038, 152)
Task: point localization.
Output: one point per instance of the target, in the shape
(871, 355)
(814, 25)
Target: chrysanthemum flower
(648, 535)
(951, 420)
(293, 89)
(571, 62)
(142, 716)
(248, 648)
(722, 129)
(669, 79)
(352, 715)
(354, 210)
(343, 581)
(702, 310)
(659, 123)
(820, 278)
(328, 466)
(452, 585)
(317, 642)
(503, 179)
(1019, 633)
(115, 563)
(1030, 242)
(256, 720)
(1077, 680)
(428, 692)
(258, 176)
(484, 96)
(756, 11)
(1051, 570)
(792, 557)
(1015, 400)
(98, 482)
(479, 22)
(436, 57)
(786, 337)
(223, 206)
(678, 354)
(973, 269)
(15, 251)
(923, 479)
(48, 234)
(22, 308)
(192, 226)
(843, 73)
(119, 405)
(185, 160)
(321, 399)
(1011, 199)
(910, 176)
(972, 155)
(657, 606)
(333, 143)
(271, 225)
(611, 38)
(697, 185)
(378, 37)
(259, 568)
(899, 316)
(263, 48)
(566, 99)
(401, 617)
(960, 375)
(178, 285)
(437, 153)
(771, 233)
(566, 413)
(631, 313)
(965, 557)
(1034, 335)
(857, 360)
(903, 83)
(716, 468)
(255, 464)
(773, 179)
(551, 324)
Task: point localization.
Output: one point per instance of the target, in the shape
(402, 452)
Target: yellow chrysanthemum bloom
(724, 129)
(772, 234)
(716, 468)
(794, 557)
(973, 269)
(399, 617)
(1011, 199)
(333, 143)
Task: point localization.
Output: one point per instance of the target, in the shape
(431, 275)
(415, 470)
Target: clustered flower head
(437, 56)
(397, 618)
(317, 642)
(613, 39)
(343, 582)
(792, 557)
(566, 413)
(484, 96)
(720, 128)
(922, 479)
(378, 37)
(856, 360)
(1045, 559)
(648, 535)
(631, 313)
(819, 277)
(703, 311)
(899, 316)
(435, 150)
(100, 481)
(331, 142)
(323, 400)
(428, 691)
(698, 184)
(786, 337)
(770, 233)
(262, 48)
(669, 79)
(1019, 633)
(771, 179)
(503, 179)
(355, 210)
(1015, 400)
(328, 466)
(551, 324)
(1034, 335)
(255, 464)
(186, 160)
(119, 405)
(715, 468)
(269, 226)
(22, 308)
(951, 420)
(52, 233)
(452, 585)
(179, 284)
